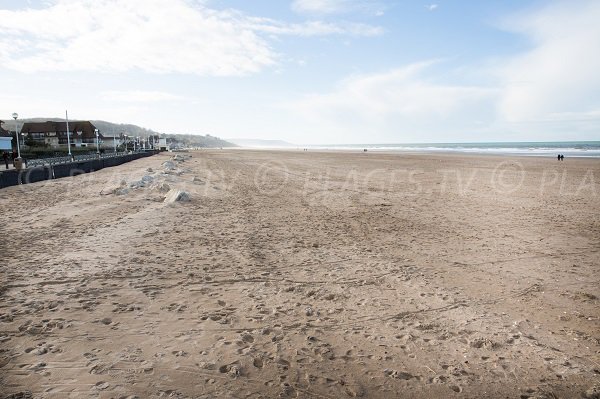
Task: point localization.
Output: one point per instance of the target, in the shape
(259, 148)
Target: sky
(310, 71)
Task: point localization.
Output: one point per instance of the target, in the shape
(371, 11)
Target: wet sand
(304, 274)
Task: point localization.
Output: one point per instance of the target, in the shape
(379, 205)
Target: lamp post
(15, 116)
(97, 146)
(68, 134)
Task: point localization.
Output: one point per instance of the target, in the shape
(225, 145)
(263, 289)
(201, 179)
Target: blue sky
(310, 71)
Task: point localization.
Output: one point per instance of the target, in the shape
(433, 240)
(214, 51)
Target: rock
(176, 195)
(137, 184)
(180, 157)
(177, 172)
(121, 191)
(161, 187)
(147, 179)
(169, 165)
(234, 372)
(150, 170)
(233, 369)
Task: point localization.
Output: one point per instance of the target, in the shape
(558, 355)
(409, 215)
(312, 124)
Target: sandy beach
(299, 274)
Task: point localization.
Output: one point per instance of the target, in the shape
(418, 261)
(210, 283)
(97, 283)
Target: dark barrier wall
(96, 165)
(33, 175)
(9, 178)
(82, 167)
(40, 173)
(63, 170)
(110, 162)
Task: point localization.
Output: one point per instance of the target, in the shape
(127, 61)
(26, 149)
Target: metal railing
(86, 157)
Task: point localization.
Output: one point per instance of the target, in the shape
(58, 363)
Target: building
(111, 140)
(5, 139)
(54, 134)
(4, 132)
(162, 145)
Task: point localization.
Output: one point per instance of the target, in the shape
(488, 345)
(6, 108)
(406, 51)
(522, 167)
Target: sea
(584, 149)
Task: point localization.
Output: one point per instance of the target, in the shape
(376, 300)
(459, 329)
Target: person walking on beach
(5, 157)
(558, 157)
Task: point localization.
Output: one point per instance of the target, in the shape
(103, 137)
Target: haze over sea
(586, 149)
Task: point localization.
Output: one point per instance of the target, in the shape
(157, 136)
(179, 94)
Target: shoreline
(416, 152)
(408, 153)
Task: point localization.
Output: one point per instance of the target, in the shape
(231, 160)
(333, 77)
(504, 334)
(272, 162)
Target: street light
(68, 134)
(97, 147)
(15, 116)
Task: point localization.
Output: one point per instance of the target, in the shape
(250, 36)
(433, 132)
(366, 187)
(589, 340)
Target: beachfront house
(112, 140)
(161, 144)
(54, 134)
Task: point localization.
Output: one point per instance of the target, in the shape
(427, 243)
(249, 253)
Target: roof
(86, 127)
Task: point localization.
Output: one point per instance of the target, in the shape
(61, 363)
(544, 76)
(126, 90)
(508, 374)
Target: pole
(97, 146)
(68, 133)
(17, 134)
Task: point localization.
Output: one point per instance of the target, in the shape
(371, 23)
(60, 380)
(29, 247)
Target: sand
(304, 274)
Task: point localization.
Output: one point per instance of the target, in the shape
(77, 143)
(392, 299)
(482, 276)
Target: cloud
(337, 6)
(138, 96)
(403, 99)
(557, 78)
(431, 7)
(314, 28)
(158, 36)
